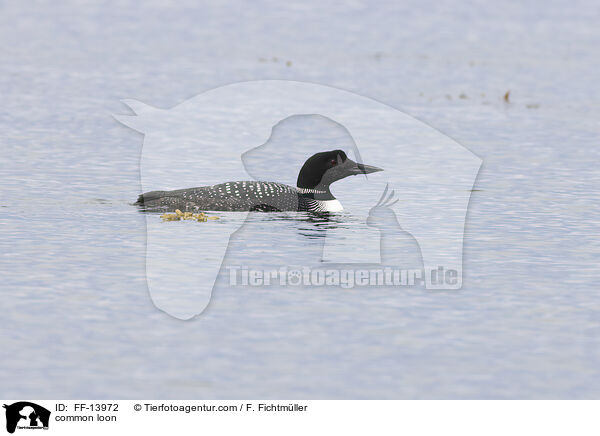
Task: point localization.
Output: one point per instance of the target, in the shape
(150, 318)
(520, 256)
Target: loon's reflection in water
(281, 227)
(309, 225)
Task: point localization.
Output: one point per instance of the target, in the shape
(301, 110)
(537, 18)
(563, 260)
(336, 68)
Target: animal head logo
(398, 248)
(432, 176)
(26, 415)
(382, 212)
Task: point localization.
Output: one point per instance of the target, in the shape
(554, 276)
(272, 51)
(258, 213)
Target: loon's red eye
(333, 162)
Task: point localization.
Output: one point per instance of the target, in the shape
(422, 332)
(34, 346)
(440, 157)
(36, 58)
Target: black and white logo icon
(26, 415)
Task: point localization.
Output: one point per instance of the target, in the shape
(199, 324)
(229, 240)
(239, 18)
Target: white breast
(329, 206)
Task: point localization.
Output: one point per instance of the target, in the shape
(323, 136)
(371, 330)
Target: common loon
(312, 193)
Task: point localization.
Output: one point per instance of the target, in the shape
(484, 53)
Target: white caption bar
(297, 417)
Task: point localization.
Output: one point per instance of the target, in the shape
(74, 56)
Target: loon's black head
(322, 169)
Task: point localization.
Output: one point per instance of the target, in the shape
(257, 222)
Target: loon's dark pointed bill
(359, 168)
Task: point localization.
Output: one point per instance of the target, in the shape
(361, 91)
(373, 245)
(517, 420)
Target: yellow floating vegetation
(179, 216)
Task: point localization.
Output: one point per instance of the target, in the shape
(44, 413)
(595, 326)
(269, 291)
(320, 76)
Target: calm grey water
(77, 320)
